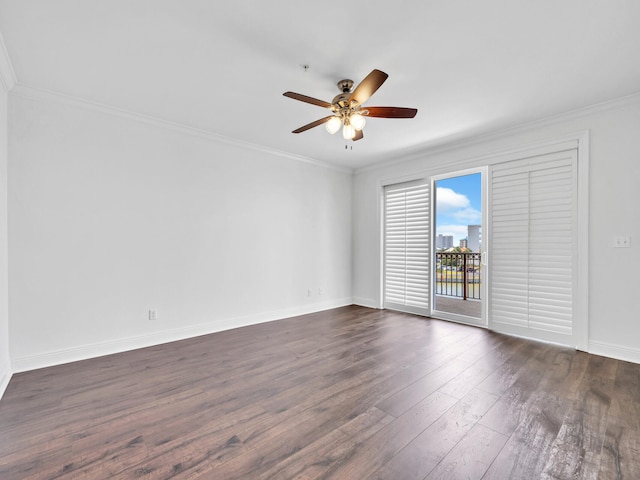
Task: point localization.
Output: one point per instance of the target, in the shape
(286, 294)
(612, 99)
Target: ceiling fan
(347, 109)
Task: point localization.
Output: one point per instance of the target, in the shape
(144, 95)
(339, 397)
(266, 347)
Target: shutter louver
(533, 225)
(406, 248)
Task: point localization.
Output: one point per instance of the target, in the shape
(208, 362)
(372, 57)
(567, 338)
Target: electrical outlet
(622, 242)
(309, 292)
(153, 314)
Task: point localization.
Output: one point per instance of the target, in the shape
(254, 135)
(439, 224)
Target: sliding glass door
(459, 255)
(501, 246)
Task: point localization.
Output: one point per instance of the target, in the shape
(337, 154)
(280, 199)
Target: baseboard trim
(618, 352)
(84, 352)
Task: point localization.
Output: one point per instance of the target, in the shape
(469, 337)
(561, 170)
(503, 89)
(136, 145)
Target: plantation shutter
(406, 247)
(534, 245)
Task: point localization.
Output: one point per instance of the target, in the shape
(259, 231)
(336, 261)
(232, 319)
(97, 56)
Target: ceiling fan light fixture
(347, 107)
(348, 132)
(333, 124)
(357, 121)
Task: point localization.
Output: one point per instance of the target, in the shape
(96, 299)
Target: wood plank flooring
(350, 393)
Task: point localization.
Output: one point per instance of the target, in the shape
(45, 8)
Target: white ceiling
(470, 67)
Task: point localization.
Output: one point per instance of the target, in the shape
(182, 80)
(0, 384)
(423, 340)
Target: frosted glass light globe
(357, 121)
(333, 125)
(348, 132)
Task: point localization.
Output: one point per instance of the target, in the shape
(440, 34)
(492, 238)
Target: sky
(458, 204)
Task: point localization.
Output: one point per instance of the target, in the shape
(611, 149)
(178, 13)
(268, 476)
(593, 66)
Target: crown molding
(47, 96)
(456, 142)
(7, 75)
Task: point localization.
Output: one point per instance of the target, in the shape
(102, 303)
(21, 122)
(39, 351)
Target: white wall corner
(366, 302)
(5, 377)
(7, 82)
(7, 75)
(618, 352)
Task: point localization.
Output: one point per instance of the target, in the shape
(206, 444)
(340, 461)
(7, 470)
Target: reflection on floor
(470, 308)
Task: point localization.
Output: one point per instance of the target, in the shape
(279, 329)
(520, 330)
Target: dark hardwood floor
(350, 393)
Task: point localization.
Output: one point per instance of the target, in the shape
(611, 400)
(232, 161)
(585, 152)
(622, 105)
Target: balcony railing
(458, 274)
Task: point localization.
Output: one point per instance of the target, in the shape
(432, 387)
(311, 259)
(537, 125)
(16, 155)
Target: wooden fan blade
(312, 124)
(368, 86)
(358, 136)
(304, 98)
(391, 112)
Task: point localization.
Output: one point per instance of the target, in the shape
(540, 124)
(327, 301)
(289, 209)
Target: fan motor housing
(345, 87)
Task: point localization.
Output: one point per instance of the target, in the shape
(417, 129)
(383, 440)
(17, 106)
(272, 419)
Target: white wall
(109, 217)
(614, 197)
(5, 365)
